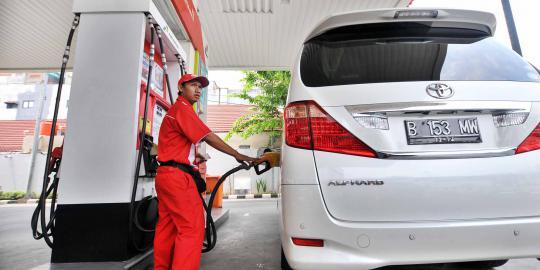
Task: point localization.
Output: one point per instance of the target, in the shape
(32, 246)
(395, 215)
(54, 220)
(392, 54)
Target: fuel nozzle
(272, 157)
(269, 160)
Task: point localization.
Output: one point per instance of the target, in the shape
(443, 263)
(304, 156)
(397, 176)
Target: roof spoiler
(459, 18)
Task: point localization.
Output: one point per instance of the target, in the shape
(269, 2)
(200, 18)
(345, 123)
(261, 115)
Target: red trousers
(180, 228)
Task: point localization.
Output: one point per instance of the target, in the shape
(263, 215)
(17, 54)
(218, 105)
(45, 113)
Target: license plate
(442, 131)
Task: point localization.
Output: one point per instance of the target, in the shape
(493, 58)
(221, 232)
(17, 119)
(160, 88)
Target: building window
(11, 105)
(28, 104)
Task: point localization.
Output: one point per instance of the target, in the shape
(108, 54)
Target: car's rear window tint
(409, 52)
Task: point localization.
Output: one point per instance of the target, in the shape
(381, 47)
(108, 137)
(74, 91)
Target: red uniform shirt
(180, 131)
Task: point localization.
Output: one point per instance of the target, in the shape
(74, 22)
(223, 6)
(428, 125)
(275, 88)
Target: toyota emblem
(439, 90)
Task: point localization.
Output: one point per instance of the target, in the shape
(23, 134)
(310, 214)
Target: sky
(526, 17)
(227, 78)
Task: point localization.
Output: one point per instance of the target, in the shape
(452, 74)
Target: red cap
(190, 77)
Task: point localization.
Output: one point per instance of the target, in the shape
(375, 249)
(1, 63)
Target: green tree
(266, 115)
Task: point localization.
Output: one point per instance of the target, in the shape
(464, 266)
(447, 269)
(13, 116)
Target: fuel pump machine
(105, 231)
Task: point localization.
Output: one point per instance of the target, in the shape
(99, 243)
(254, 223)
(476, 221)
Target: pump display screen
(159, 113)
(146, 64)
(157, 80)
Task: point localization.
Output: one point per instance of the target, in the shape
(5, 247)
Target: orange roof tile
(220, 118)
(12, 133)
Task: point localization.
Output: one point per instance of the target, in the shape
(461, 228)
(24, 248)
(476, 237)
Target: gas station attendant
(180, 229)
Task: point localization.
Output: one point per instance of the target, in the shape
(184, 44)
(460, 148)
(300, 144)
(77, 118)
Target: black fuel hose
(210, 230)
(181, 64)
(164, 61)
(132, 214)
(50, 187)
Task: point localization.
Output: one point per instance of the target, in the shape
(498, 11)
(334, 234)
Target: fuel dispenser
(154, 100)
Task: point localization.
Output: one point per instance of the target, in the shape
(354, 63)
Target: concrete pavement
(18, 249)
(248, 240)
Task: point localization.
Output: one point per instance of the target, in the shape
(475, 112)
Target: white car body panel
(433, 202)
(438, 189)
(368, 245)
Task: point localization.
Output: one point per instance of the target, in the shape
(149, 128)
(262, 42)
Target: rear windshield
(397, 52)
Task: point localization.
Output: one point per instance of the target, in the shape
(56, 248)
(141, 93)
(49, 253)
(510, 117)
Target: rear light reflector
(308, 126)
(368, 120)
(510, 119)
(531, 143)
(308, 242)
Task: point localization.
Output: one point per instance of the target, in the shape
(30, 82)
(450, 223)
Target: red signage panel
(190, 19)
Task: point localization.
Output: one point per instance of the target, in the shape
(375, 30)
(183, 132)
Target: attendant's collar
(183, 100)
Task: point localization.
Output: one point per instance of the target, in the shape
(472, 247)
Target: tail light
(308, 242)
(308, 126)
(530, 143)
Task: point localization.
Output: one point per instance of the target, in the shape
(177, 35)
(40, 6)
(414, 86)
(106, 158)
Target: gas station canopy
(267, 34)
(238, 34)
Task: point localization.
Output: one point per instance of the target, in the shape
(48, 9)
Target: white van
(411, 137)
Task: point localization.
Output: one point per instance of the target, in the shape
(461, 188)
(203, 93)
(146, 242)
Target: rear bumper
(368, 245)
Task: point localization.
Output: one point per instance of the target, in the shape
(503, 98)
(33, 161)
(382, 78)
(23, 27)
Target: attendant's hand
(240, 158)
